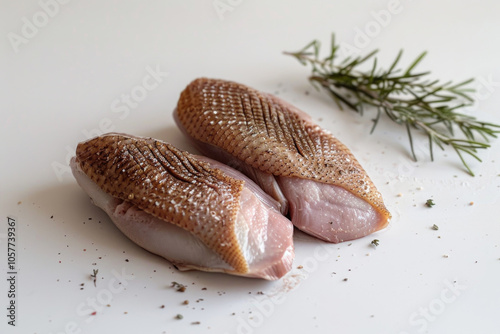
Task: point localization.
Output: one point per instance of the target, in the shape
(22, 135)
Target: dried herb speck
(94, 275)
(375, 242)
(430, 203)
(179, 287)
(435, 227)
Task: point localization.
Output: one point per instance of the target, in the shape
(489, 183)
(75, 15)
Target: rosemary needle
(406, 97)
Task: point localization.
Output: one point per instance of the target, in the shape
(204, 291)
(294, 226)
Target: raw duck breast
(306, 169)
(193, 211)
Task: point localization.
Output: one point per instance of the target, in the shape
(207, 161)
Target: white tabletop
(74, 69)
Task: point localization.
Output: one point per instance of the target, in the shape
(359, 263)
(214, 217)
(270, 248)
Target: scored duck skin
(191, 210)
(305, 168)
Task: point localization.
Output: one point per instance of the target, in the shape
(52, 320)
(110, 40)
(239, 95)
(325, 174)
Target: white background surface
(66, 81)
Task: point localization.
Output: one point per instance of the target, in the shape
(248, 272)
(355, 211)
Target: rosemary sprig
(405, 96)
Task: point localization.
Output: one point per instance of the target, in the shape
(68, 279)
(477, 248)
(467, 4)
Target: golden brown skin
(169, 184)
(272, 136)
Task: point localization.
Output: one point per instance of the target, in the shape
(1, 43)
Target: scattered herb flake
(179, 317)
(179, 287)
(430, 203)
(435, 227)
(195, 323)
(375, 242)
(94, 275)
